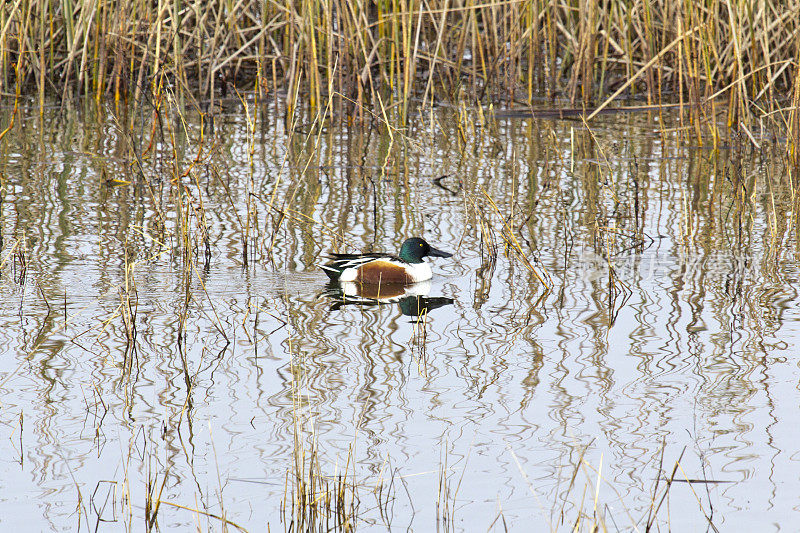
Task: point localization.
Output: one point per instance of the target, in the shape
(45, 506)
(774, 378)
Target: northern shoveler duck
(406, 267)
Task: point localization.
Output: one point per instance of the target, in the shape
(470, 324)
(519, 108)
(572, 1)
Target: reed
(736, 59)
(318, 502)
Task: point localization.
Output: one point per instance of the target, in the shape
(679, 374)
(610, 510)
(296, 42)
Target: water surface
(618, 300)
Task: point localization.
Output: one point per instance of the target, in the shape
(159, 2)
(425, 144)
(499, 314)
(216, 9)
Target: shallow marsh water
(669, 332)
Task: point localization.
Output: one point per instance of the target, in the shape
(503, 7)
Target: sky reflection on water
(671, 323)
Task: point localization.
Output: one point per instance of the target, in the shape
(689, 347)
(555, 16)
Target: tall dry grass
(736, 56)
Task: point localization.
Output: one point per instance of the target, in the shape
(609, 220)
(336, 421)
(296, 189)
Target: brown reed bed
(735, 60)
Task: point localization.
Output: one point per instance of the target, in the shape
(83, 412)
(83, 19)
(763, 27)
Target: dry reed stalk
(402, 47)
(383, 56)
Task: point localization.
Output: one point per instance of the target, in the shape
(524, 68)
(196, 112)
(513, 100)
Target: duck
(375, 268)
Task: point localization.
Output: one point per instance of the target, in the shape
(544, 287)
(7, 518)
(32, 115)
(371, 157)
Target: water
(668, 332)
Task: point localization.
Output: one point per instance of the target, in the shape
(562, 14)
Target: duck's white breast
(419, 272)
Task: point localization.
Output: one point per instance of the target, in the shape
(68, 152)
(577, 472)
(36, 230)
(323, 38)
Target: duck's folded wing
(347, 257)
(341, 262)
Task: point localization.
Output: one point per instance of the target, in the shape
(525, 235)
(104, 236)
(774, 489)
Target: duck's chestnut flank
(381, 271)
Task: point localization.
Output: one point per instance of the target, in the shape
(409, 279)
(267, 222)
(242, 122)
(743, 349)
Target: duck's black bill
(438, 253)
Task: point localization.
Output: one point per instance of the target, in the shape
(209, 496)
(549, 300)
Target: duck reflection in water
(412, 299)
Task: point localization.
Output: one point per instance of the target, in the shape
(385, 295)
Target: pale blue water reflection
(671, 324)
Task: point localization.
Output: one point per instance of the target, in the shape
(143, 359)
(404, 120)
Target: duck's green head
(414, 249)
